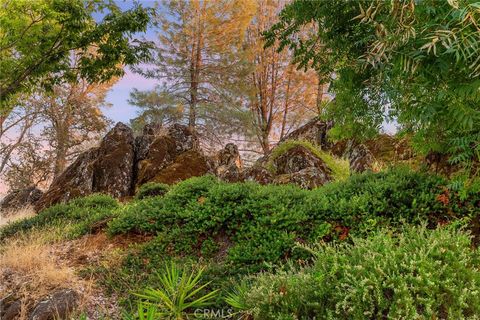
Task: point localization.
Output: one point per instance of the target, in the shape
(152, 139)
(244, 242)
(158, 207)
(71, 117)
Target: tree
(198, 61)
(156, 106)
(37, 38)
(72, 118)
(414, 62)
(280, 96)
(52, 128)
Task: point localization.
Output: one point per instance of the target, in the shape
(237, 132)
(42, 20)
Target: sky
(121, 110)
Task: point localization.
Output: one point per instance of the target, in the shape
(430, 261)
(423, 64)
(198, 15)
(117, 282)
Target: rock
(161, 153)
(57, 306)
(314, 131)
(75, 181)
(361, 159)
(308, 178)
(113, 169)
(10, 308)
(188, 164)
(229, 164)
(107, 169)
(258, 174)
(183, 137)
(20, 198)
(298, 158)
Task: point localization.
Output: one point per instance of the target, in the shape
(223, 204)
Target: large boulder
(107, 169)
(308, 178)
(75, 181)
(229, 164)
(113, 169)
(359, 156)
(314, 131)
(183, 137)
(191, 163)
(298, 158)
(20, 198)
(161, 153)
(58, 305)
(257, 173)
(171, 157)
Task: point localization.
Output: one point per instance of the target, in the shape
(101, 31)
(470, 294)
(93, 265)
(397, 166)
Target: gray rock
(257, 174)
(229, 164)
(113, 169)
(314, 131)
(359, 156)
(308, 178)
(75, 181)
(21, 198)
(183, 137)
(56, 306)
(298, 158)
(10, 308)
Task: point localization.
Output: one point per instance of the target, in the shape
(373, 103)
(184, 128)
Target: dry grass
(7, 217)
(30, 270)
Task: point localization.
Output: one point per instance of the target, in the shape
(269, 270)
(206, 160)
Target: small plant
(179, 294)
(143, 313)
(152, 189)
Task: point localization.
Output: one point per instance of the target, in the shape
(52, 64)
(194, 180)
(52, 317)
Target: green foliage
(152, 189)
(418, 273)
(180, 292)
(416, 63)
(143, 313)
(77, 217)
(340, 168)
(38, 38)
(254, 227)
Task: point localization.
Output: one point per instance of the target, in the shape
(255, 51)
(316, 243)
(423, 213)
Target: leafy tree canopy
(39, 39)
(416, 62)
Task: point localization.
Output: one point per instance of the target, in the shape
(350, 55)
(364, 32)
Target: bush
(78, 216)
(253, 227)
(418, 274)
(152, 189)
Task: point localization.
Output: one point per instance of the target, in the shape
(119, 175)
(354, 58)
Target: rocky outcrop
(20, 198)
(191, 163)
(121, 163)
(308, 178)
(359, 156)
(228, 164)
(58, 305)
(298, 158)
(300, 166)
(113, 168)
(107, 169)
(314, 131)
(171, 157)
(75, 181)
(258, 174)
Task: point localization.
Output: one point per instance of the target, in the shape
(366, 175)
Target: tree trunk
(61, 151)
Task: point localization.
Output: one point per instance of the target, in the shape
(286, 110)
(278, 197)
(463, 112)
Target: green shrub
(417, 274)
(257, 226)
(340, 167)
(152, 189)
(77, 216)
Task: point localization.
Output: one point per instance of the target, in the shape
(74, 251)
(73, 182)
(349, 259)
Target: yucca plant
(179, 294)
(143, 313)
(236, 299)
